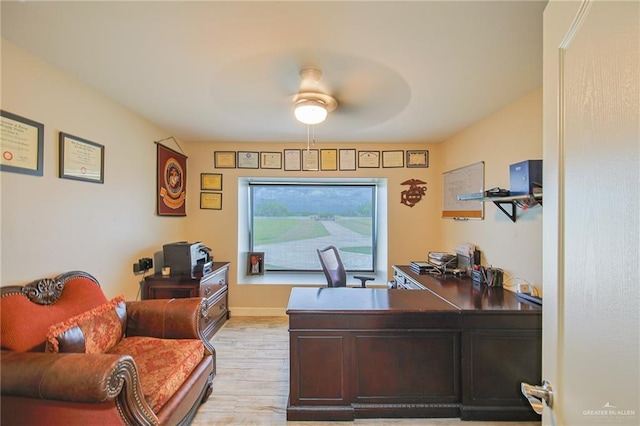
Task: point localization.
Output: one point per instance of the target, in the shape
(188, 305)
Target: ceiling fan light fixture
(310, 111)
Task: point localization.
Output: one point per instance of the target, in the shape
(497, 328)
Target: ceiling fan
(312, 104)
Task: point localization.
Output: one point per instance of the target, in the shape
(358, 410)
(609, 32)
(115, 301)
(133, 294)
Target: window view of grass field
(289, 222)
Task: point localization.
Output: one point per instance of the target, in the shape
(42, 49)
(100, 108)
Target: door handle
(538, 396)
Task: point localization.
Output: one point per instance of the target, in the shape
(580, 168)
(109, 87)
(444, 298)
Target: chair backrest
(333, 267)
(28, 311)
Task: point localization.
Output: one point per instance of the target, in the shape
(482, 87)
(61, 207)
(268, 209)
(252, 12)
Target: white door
(591, 232)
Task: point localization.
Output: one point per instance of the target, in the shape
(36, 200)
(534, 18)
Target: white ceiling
(414, 71)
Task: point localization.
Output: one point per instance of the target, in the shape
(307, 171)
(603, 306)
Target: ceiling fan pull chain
(308, 126)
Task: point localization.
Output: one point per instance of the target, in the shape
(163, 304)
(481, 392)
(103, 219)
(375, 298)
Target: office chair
(334, 268)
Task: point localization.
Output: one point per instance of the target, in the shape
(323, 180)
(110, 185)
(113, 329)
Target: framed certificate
(328, 159)
(310, 160)
(247, 160)
(81, 159)
(211, 200)
(21, 144)
(393, 158)
(211, 181)
(292, 159)
(347, 159)
(270, 160)
(224, 159)
(418, 158)
(368, 159)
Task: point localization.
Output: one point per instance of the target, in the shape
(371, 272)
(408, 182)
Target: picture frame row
(320, 159)
(22, 147)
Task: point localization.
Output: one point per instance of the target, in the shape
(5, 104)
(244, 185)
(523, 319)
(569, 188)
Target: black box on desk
(525, 176)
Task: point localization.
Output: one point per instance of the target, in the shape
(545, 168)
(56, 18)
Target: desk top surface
(363, 300)
(467, 296)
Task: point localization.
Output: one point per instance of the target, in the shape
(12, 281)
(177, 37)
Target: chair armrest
(69, 377)
(363, 279)
(166, 318)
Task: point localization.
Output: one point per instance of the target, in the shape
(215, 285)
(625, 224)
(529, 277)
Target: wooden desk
(501, 344)
(362, 353)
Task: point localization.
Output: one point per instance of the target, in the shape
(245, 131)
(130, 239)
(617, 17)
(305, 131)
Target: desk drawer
(219, 307)
(211, 290)
(217, 311)
(217, 278)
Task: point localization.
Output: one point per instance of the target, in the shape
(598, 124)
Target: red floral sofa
(69, 356)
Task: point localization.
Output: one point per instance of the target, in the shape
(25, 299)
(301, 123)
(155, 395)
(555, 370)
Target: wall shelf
(508, 204)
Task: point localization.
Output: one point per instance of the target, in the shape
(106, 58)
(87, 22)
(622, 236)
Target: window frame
(320, 182)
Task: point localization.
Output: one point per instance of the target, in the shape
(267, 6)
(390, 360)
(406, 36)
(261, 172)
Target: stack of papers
(442, 259)
(466, 250)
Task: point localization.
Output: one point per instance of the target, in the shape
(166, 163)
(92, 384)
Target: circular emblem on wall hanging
(174, 183)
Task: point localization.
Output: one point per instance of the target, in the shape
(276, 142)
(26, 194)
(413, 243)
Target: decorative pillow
(94, 331)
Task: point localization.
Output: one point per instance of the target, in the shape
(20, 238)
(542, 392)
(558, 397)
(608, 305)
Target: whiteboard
(465, 180)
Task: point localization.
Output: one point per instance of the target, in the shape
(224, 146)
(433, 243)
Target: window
(288, 221)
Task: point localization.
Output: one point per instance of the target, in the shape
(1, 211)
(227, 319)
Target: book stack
(420, 268)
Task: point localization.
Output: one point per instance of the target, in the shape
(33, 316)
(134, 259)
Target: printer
(187, 258)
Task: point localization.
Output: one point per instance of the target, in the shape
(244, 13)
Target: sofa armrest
(77, 378)
(170, 319)
(68, 377)
(166, 318)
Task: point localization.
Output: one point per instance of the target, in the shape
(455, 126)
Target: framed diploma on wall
(368, 159)
(211, 181)
(393, 158)
(81, 159)
(247, 160)
(21, 144)
(328, 159)
(310, 160)
(418, 158)
(211, 201)
(292, 159)
(270, 160)
(347, 159)
(224, 159)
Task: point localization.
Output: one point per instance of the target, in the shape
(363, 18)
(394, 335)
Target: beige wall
(508, 136)
(411, 230)
(52, 225)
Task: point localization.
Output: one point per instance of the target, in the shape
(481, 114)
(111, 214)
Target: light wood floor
(252, 384)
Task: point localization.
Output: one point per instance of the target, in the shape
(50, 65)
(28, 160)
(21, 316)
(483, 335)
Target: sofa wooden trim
(57, 385)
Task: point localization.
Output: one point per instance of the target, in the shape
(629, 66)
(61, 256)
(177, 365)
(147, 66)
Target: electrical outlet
(524, 288)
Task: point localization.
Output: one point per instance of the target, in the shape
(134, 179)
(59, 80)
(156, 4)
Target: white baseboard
(258, 312)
